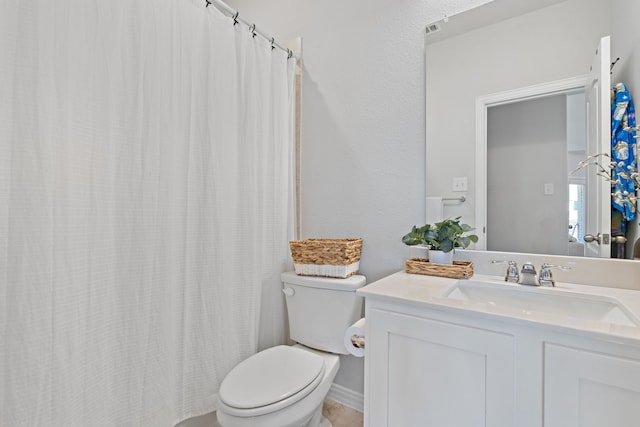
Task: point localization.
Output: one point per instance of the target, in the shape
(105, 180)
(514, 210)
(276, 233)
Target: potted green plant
(441, 237)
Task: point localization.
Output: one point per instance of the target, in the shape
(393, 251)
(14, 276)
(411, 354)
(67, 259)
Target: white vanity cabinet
(425, 372)
(431, 362)
(584, 388)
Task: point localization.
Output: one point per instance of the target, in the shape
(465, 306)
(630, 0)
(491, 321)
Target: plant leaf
(464, 241)
(446, 246)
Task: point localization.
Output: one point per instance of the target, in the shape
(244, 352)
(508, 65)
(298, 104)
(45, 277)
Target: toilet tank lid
(350, 284)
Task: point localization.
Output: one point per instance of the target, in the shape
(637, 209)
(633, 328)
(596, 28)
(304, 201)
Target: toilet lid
(271, 376)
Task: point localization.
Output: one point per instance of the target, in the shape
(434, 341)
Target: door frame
(598, 215)
(483, 103)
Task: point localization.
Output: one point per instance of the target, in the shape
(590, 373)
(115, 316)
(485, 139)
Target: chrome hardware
(460, 199)
(288, 292)
(512, 270)
(591, 238)
(618, 239)
(546, 278)
(601, 239)
(528, 274)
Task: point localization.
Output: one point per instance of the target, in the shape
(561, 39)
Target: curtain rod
(225, 8)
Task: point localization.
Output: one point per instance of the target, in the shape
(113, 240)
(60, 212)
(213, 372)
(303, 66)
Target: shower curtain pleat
(146, 204)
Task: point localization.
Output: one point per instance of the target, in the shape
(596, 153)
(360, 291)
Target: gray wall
(526, 149)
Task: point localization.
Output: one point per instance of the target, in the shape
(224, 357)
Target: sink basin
(532, 300)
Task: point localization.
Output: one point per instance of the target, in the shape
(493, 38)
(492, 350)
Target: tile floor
(342, 416)
(339, 415)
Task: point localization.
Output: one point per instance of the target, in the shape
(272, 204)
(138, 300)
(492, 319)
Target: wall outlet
(549, 189)
(460, 183)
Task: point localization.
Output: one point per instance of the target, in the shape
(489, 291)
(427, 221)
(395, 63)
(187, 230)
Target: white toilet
(284, 386)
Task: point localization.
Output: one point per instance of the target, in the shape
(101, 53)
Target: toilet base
(318, 420)
(325, 423)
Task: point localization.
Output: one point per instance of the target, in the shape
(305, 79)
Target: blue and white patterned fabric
(623, 122)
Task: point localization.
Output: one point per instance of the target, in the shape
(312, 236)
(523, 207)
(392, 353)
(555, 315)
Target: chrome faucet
(512, 270)
(546, 278)
(528, 274)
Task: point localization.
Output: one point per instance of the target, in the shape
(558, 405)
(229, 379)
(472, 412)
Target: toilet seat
(278, 377)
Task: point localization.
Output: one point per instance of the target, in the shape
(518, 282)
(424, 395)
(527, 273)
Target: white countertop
(431, 292)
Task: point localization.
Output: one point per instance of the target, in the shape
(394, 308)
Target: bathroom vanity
(484, 352)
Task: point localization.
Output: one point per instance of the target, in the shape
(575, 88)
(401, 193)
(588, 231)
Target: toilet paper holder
(354, 340)
(357, 341)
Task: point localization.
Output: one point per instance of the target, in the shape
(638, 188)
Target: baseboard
(347, 397)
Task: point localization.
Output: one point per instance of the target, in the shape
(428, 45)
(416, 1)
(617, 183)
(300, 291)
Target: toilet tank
(321, 309)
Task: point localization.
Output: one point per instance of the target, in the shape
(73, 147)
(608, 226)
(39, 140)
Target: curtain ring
(273, 43)
(252, 28)
(235, 18)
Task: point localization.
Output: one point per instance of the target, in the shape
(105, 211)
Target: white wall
(553, 43)
(363, 132)
(363, 125)
(526, 149)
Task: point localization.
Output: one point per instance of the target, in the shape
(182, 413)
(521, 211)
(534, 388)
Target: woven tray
(458, 270)
(326, 257)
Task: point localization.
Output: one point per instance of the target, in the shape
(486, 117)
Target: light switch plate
(460, 183)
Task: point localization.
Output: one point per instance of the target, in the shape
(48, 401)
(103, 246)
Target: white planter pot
(418, 251)
(439, 257)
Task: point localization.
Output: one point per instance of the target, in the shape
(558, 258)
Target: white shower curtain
(146, 204)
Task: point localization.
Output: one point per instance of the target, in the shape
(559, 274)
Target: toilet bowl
(297, 381)
(285, 386)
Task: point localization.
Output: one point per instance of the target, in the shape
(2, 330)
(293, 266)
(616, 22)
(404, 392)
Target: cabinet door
(423, 372)
(588, 389)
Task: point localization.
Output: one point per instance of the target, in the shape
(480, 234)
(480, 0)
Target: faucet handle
(512, 274)
(546, 278)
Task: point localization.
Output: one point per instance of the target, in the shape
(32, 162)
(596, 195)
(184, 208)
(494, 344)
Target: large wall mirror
(530, 165)
(510, 46)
